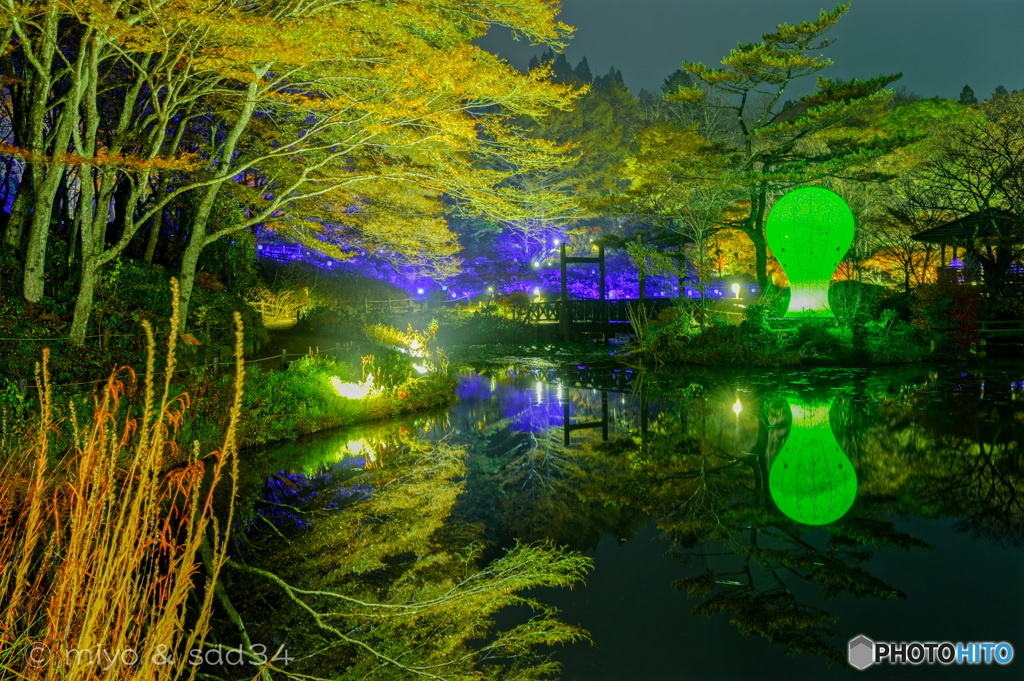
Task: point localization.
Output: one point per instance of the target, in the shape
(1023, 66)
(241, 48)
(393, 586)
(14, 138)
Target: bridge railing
(592, 311)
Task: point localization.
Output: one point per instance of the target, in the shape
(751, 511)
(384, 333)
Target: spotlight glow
(352, 391)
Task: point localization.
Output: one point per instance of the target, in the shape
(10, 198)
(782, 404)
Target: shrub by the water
(857, 337)
(948, 313)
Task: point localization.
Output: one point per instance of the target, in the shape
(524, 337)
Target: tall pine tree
(772, 150)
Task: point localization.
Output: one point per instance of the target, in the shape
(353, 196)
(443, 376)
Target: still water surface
(746, 525)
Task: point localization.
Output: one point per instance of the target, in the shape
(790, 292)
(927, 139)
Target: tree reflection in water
(744, 556)
(797, 488)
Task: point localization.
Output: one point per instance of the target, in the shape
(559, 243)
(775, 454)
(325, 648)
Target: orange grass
(99, 545)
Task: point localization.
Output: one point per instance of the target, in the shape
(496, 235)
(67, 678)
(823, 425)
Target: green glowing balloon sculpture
(811, 480)
(809, 231)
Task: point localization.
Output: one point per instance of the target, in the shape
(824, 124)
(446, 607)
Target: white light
(557, 242)
(737, 408)
(420, 368)
(419, 291)
(352, 391)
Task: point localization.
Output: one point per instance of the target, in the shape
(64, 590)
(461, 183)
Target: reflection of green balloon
(809, 231)
(811, 480)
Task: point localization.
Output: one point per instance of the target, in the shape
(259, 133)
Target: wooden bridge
(593, 316)
(1005, 335)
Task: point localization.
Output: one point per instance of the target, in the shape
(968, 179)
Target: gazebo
(988, 236)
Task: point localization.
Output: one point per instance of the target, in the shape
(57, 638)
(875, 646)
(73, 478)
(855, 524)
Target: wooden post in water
(565, 422)
(563, 311)
(284, 359)
(681, 276)
(642, 273)
(643, 422)
(604, 416)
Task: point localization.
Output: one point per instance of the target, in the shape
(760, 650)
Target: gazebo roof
(987, 223)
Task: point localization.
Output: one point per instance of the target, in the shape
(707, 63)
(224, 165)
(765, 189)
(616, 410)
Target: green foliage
(516, 305)
(820, 340)
(947, 312)
(486, 325)
(851, 300)
(862, 337)
(659, 336)
(755, 319)
(13, 405)
(231, 260)
(284, 405)
(128, 292)
(924, 116)
(723, 342)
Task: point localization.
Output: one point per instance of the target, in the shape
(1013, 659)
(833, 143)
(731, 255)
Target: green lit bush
(855, 338)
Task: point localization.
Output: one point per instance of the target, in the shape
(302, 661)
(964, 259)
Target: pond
(743, 524)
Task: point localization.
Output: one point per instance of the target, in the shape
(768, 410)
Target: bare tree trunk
(83, 304)
(156, 224)
(39, 54)
(756, 234)
(190, 260)
(760, 258)
(197, 240)
(19, 211)
(38, 234)
(45, 190)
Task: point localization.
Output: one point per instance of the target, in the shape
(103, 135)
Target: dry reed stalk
(103, 545)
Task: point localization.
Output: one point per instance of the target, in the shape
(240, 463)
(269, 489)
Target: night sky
(938, 45)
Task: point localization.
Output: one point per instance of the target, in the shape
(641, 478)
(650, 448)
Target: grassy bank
(285, 405)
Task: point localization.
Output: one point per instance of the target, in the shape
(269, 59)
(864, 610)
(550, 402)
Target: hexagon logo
(861, 653)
